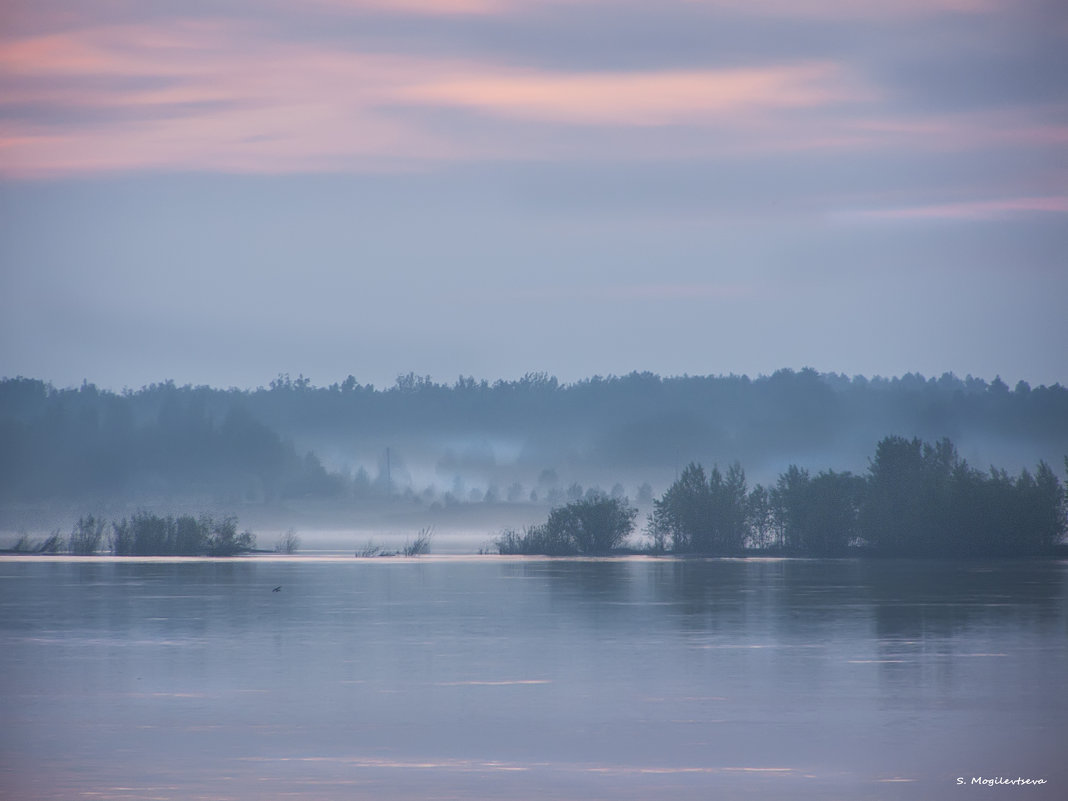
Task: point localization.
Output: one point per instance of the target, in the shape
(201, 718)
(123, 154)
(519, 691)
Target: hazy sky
(217, 192)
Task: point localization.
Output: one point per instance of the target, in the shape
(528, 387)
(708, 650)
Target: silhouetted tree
(684, 513)
(704, 514)
(788, 502)
(87, 536)
(924, 500)
(729, 496)
(903, 482)
(761, 520)
(829, 517)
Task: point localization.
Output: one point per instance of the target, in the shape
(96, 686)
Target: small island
(146, 534)
(916, 500)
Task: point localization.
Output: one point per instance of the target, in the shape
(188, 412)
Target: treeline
(787, 407)
(85, 442)
(147, 534)
(916, 500)
(273, 442)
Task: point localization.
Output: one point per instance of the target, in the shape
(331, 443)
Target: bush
(593, 525)
(289, 543)
(420, 545)
(121, 540)
(148, 534)
(224, 539)
(86, 536)
(535, 540)
(53, 544)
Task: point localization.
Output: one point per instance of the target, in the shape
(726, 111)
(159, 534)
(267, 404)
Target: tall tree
(685, 511)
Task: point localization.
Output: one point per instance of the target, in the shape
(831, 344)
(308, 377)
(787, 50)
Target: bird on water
(277, 589)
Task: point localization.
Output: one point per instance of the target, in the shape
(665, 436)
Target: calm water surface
(497, 678)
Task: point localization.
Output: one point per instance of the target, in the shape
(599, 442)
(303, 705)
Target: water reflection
(901, 599)
(529, 678)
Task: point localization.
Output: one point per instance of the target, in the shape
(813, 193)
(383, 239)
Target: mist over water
(504, 678)
(473, 455)
(299, 282)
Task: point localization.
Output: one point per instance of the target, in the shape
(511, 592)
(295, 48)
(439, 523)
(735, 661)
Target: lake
(512, 678)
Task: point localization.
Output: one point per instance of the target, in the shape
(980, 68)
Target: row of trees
(924, 499)
(777, 402)
(252, 445)
(717, 513)
(917, 499)
(147, 534)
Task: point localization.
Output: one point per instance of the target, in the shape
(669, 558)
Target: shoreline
(345, 557)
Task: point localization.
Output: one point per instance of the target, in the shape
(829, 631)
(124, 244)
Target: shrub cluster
(147, 534)
(593, 525)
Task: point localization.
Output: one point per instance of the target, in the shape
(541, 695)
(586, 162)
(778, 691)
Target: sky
(221, 192)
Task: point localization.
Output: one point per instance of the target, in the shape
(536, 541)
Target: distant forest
(530, 440)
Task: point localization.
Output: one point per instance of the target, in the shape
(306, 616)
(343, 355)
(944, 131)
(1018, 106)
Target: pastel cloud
(198, 95)
(835, 9)
(998, 208)
(434, 8)
(788, 8)
(45, 15)
(236, 94)
(650, 98)
(221, 95)
(967, 129)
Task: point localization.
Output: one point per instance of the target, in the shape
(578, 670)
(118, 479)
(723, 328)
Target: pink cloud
(942, 131)
(49, 15)
(648, 98)
(421, 7)
(968, 210)
(835, 9)
(209, 96)
(863, 9)
(223, 95)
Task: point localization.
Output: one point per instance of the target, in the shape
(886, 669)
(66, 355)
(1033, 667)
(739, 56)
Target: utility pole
(389, 476)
